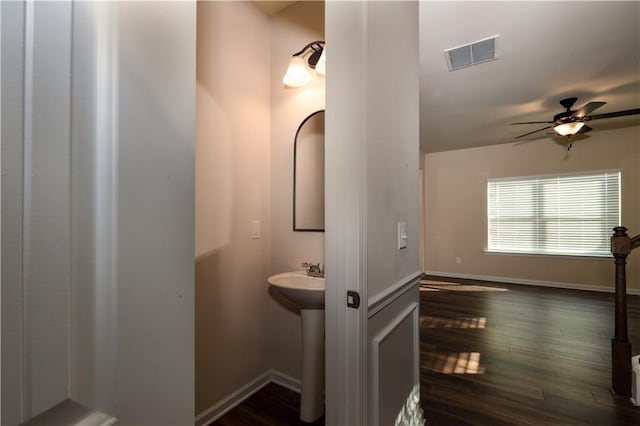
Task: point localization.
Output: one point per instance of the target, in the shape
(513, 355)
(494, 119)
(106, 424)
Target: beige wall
(455, 206)
(246, 123)
(232, 190)
(291, 29)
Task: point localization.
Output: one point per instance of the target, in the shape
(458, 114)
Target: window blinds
(557, 215)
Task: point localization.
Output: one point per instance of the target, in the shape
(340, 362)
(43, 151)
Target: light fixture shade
(568, 129)
(322, 62)
(297, 74)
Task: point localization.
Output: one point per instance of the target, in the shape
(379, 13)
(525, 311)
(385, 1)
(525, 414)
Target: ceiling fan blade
(533, 122)
(524, 141)
(568, 103)
(530, 133)
(584, 129)
(591, 106)
(634, 111)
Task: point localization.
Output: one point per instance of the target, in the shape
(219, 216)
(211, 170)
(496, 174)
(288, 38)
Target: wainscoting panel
(394, 357)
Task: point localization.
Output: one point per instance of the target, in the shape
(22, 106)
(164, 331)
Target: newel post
(621, 246)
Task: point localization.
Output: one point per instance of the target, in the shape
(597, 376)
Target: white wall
(233, 189)
(86, 385)
(291, 30)
(155, 211)
(12, 210)
(455, 206)
(47, 216)
(37, 280)
(392, 147)
(100, 189)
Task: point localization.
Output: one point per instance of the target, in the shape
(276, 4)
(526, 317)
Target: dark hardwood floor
(273, 405)
(495, 354)
(498, 354)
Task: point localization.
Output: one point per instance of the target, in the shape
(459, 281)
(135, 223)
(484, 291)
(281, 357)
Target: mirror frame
(295, 154)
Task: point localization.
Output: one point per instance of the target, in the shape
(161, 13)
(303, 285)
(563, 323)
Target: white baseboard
(569, 286)
(97, 418)
(286, 381)
(222, 407)
(69, 412)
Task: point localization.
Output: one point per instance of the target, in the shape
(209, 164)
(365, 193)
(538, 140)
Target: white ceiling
(272, 7)
(548, 51)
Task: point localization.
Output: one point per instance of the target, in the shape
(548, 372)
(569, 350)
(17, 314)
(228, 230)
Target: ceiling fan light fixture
(569, 123)
(568, 129)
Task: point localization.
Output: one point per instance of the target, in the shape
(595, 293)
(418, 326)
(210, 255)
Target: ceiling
(273, 7)
(548, 51)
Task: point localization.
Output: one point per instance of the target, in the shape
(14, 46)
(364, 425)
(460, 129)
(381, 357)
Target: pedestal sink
(307, 293)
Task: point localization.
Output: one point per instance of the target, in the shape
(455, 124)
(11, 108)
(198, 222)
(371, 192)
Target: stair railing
(621, 247)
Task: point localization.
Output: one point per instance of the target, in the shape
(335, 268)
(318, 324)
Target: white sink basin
(304, 291)
(308, 294)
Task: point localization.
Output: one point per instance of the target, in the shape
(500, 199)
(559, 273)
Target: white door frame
(371, 120)
(345, 213)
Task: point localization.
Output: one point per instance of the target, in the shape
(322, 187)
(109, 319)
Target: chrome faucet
(313, 269)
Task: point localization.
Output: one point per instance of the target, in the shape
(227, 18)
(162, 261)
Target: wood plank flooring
(273, 405)
(495, 354)
(499, 354)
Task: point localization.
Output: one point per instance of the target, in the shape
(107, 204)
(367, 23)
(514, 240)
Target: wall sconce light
(311, 56)
(321, 66)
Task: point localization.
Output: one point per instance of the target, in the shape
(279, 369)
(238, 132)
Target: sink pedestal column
(312, 395)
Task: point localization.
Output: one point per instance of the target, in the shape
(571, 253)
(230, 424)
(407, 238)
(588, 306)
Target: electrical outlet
(458, 260)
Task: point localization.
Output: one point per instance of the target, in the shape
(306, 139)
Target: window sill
(607, 258)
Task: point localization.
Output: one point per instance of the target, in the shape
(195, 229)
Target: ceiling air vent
(473, 53)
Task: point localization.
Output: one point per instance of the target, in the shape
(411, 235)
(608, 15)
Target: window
(557, 215)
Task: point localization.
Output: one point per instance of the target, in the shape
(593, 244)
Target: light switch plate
(255, 229)
(402, 235)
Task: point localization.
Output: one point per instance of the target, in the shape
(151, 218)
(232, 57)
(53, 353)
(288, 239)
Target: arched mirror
(308, 174)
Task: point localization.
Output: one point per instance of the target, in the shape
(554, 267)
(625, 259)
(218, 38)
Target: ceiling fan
(570, 123)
